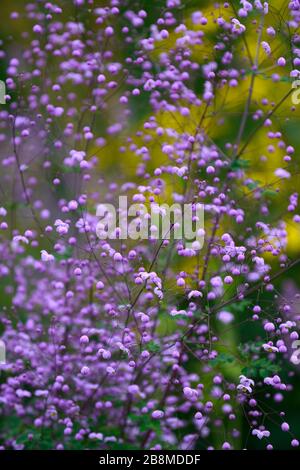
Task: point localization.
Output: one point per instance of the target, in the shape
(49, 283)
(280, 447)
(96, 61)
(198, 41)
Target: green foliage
(239, 163)
(240, 307)
(261, 368)
(269, 193)
(146, 423)
(152, 346)
(253, 185)
(222, 358)
(250, 347)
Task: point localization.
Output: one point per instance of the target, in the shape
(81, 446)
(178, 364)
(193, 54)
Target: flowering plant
(156, 343)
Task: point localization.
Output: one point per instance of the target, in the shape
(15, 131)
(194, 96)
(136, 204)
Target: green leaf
(65, 255)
